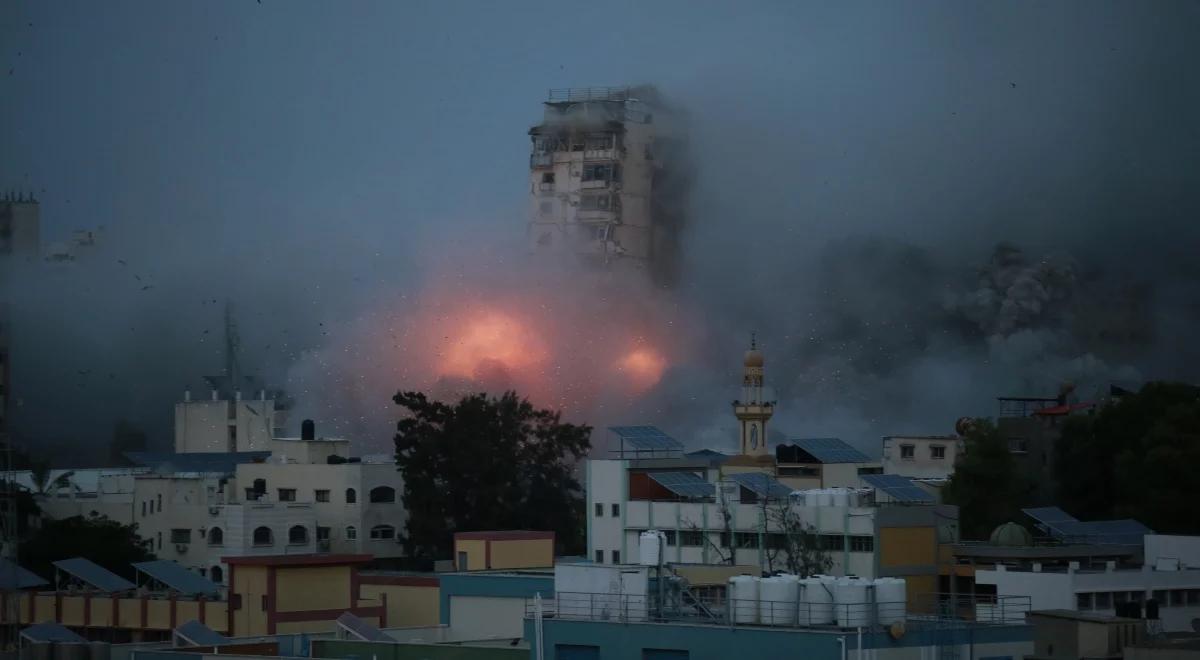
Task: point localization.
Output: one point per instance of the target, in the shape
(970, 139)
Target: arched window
(351, 533)
(383, 494)
(297, 535)
(351, 496)
(216, 536)
(263, 536)
(216, 574)
(383, 532)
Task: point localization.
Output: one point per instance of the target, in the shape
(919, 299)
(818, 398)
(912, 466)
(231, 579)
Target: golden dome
(754, 358)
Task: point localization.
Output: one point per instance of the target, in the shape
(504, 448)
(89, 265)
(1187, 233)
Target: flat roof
(1083, 616)
(297, 560)
(505, 535)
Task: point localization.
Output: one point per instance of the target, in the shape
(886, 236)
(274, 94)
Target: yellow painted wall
(713, 574)
(130, 613)
(251, 583)
(72, 611)
(25, 618)
(312, 588)
(186, 610)
(476, 550)
(407, 606)
(907, 546)
(45, 608)
(216, 616)
(526, 553)
(918, 589)
(102, 609)
(158, 615)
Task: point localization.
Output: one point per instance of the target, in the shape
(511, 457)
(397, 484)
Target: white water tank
(825, 497)
(743, 598)
(817, 607)
(650, 547)
(841, 496)
(891, 595)
(851, 602)
(777, 597)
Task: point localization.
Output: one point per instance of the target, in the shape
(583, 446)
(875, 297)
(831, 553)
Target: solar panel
(93, 574)
(197, 634)
(13, 577)
(177, 578)
(900, 489)
(684, 484)
(646, 438)
(51, 632)
(1104, 532)
(1049, 515)
(361, 630)
(763, 485)
(831, 450)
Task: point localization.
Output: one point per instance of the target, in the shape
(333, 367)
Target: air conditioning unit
(181, 548)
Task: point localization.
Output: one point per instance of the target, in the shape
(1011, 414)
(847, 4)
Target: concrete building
(503, 550)
(1032, 426)
(921, 456)
(608, 179)
(226, 423)
(1070, 635)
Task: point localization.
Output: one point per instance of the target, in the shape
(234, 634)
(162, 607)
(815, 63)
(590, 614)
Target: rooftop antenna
(753, 340)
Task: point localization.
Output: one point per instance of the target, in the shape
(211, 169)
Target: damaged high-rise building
(609, 179)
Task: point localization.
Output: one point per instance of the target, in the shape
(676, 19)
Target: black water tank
(308, 430)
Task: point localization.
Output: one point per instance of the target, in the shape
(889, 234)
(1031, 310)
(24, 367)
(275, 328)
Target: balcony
(541, 160)
(545, 189)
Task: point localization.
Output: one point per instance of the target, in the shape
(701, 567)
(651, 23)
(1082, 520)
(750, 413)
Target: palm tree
(43, 485)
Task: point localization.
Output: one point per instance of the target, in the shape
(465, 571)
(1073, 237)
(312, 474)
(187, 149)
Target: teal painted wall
(336, 648)
(627, 640)
(482, 584)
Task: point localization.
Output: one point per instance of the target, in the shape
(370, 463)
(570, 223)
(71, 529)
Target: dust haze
(917, 207)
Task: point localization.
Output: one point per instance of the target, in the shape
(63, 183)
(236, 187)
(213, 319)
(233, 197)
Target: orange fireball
(490, 338)
(644, 366)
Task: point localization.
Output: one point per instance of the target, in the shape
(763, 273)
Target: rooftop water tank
(891, 597)
(650, 547)
(743, 598)
(852, 606)
(817, 604)
(777, 600)
(840, 496)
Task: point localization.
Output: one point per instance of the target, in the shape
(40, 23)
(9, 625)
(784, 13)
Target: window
(158, 541)
(1160, 595)
(599, 510)
(251, 495)
(1103, 601)
(322, 533)
(801, 471)
(181, 536)
(670, 536)
(263, 536)
(159, 509)
(616, 509)
(598, 142)
(691, 539)
(351, 533)
(724, 539)
(143, 509)
(548, 177)
(351, 496)
(616, 556)
(599, 556)
(1018, 445)
(287, 494)
(1178, 598)
(937, 452)
(216, 537)
(878, 469)
(832, 542)
(746, 540)
(321, 495)
(596, 231)
(380, 494)
(862, 544)
(383, 532)
(216, 574)
(297, 535)
(1083, 602)
(907, 452)
(600, 172)
(594, 202)
(777, 541)
(1193, 596)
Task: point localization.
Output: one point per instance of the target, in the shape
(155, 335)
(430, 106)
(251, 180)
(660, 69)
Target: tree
(487, 463)
(102, 540)
(801, 544)
(126, 436)
(43, 485)
(1135, 458)
(986, 485)
(725, 551)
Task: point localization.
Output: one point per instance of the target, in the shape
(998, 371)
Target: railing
(541, 159)
(590, 94)
(929, 610)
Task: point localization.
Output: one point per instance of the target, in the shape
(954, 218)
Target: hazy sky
(301, 157)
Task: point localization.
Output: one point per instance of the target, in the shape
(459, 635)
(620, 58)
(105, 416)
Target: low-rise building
(921, 456)
(1070, 635)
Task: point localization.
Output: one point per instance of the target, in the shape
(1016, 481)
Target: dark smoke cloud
(857, 166)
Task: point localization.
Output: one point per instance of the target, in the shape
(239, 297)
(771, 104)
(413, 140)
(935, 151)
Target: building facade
(607, 179)
(921, 456)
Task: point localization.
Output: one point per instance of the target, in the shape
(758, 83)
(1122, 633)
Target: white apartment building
(220, 424)
(921, 456)
(607, 178)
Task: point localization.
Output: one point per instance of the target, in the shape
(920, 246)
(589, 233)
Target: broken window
(599, 172)
(594, 202)
(599, 142)
(547, 177)
(598, 232)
